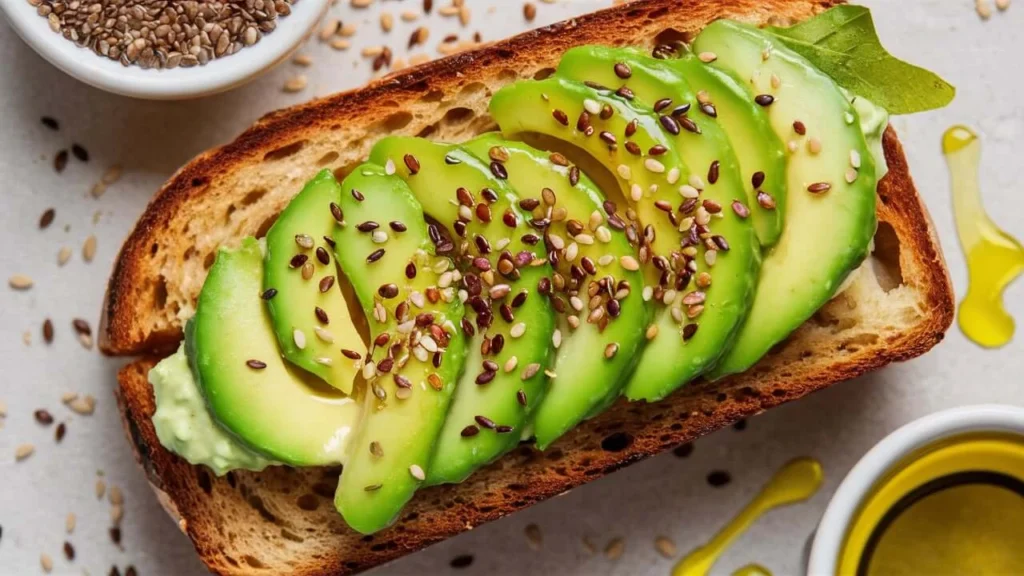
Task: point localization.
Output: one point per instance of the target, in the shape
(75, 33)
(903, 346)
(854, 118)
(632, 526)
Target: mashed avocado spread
(184, 425)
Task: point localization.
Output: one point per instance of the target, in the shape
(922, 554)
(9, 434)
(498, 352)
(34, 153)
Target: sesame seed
(518, 330)
(591, 106)
(814, 145)
(654, 165)
(688, 191)
(511, 364)
(389, 167)
(673, 175)
(636, 193)
(411, 163)
(855, 159)
(799, 127)
(792, 145)
(611, 350)
(670, 124)
(300, 339)
(740, 210)
(629, 263)
(560, 117)
(819, 187)
(765, 200)
(851, 175)
(530, 371)
(521, 397)
(652, 332)
(764, 99)
(23, 451)
(776, 81)
(622, 70)
(710, 257)
(689, 331)
(707, 57)
(256, 364)
(624, 172)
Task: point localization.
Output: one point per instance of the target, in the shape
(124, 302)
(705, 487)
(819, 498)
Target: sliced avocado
(417, 350)
(665, 199)
(831, 179)
(309, 312)
(761, 153)
(601, 329)
(280, 411)
(503, 266)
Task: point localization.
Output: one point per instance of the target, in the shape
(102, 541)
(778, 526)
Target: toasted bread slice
(281, 520)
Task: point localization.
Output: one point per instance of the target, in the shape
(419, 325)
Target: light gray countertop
(665, 495)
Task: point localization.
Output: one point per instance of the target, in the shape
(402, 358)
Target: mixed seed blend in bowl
(163, 33)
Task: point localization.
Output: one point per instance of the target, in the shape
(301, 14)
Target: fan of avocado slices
(637, 223)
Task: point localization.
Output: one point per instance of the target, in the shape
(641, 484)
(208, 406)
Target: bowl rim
(831, 532)
(160, 84)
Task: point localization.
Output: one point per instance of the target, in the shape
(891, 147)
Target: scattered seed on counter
(718, 478)
(101, 488)
(23, 451)
(50, 122)
(83, 405)
(615, 548)
(683, 450)
(43, 417)
(115, 496)
(534, 537)
(60, 432)
(665, 547)
(60, 161)
(63, 255)
(46, 562)
(20, 282)
(69, 551)
(89, 248)
(79, 152)
(47, 218)
(48, 331)
(69, 522)
(529, 11)
(302, 60)
(461, 561)
(295, 84)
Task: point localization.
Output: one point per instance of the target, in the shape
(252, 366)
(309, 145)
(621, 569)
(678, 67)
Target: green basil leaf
(842, 43)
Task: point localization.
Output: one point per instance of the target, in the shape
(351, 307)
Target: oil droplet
(795, 482)
(752, 570)
(994, 258)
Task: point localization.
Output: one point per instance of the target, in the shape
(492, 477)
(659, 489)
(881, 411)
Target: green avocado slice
(503, 266)
(698, 320)
(761, 153)
(831, 179)
(280, 411)
(310, 315)
(417, 350)
(580, 239)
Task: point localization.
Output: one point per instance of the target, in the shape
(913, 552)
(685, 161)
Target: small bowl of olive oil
(942, 495)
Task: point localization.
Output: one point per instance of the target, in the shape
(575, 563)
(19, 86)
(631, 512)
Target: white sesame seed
(517, 330)
(300, 339)
(851, 175)
(673, 175)
(629, 263)
(420, 354)
(686, 223)
(654, 166)
(688, 191)
(669, 296)
(571, 252)
(792, 145)
(647, 293)
(502, 243)
(585, 239)
(428, 344)
(379, 237)
(766, 53)
(573, 320)
(406, 327)
(441, 265)
(855, 159)
(576, 303)
(417, 472)
(380, 313)
(325, 361)
(550, 374)
(652, 331)
(710, 257)
(323, 334)
(849, 117)
(530, 371)
(606, 260)
(23, 451)
(702, 217)
(510, 364)
(595, 219)
(776, 81)
(369, 370)
(604, 234)
(624, 172)
(445, 280)
(677, 314)
(417, 298)
(556, 338)
(591, 106)
(696, 181)
(465, 213)
(389, 167)
(703, 97)
(556, 241)
(707, 57)
(814, 145)
(636, 193)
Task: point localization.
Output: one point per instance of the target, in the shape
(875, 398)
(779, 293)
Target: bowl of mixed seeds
(164, 49)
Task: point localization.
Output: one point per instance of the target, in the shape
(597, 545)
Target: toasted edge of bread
(281, 520)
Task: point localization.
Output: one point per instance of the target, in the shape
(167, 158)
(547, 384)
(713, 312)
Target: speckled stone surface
(665, 496)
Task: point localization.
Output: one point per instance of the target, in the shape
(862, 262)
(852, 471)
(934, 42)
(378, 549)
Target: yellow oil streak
(994, 258)
(795, 482)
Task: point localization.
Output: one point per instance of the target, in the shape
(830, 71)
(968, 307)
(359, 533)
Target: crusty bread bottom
(282, 520)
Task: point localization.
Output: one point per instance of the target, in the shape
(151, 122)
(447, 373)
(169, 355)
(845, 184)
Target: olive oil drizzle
(795, 482)
(994, 258)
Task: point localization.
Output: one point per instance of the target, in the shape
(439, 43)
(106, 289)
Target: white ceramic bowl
(831, 533)
(179, 83)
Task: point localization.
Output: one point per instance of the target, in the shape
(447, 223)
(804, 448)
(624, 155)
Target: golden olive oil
(994, 258)
(795, 482)
(953, 508)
